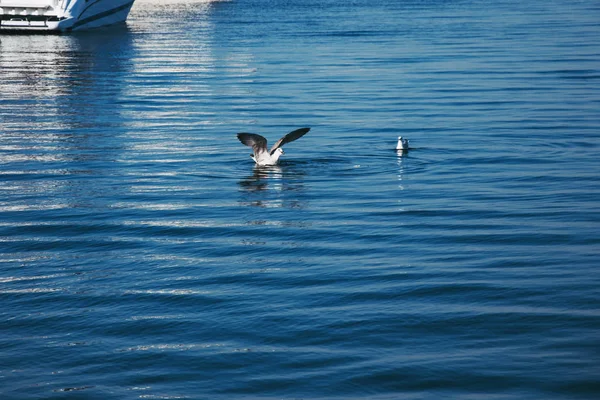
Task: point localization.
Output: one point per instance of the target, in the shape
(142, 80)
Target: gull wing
(290, 137)
(257, 142)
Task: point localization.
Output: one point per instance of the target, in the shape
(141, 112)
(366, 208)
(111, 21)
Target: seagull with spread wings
(261, 155)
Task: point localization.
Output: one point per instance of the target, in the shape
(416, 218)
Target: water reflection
(57, 72)
(59, 116)
(273, 187)
(261, 177)
(402, 155)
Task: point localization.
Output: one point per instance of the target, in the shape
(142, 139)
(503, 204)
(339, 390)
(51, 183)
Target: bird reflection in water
(401, 160)
(259, 180)
(273, 187)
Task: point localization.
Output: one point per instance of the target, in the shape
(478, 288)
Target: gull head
(277, 153)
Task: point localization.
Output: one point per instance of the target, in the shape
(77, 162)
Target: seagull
(261, 155)
(402, 144)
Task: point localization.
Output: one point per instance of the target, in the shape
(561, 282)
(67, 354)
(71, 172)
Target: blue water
(143, 256)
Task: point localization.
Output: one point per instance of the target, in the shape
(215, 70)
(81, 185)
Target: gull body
(402, 144)
(260, 154)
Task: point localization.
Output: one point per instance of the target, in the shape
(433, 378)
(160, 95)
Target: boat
(61, 15)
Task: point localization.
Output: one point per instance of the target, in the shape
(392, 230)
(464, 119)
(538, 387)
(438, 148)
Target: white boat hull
(61, 15)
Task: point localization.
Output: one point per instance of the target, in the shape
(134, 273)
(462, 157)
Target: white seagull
(402, 144)
(261, 155)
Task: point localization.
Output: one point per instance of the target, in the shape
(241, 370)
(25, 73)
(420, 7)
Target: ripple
(170, 292)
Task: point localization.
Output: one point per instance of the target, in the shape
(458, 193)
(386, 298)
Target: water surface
(143, 256)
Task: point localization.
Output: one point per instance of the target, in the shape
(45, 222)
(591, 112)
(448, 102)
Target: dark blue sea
(143, 256)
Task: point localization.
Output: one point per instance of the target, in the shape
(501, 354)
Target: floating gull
(402, 144)
(261, 155)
